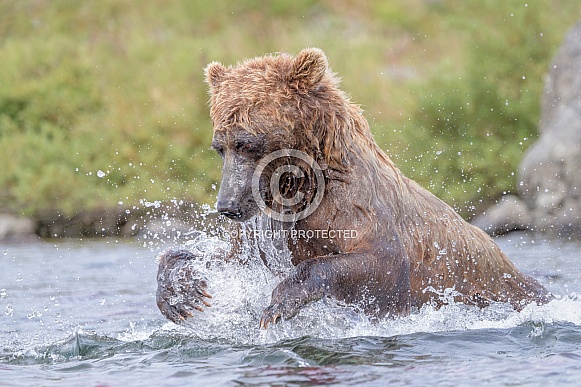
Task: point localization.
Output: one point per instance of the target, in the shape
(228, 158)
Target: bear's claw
(179, 292)
(279, 311)
(178, 307)
(269, 318)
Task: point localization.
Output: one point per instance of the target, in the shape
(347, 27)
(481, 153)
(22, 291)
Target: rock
(16, 227)
(93, 223)
(169, 220)
(550, 172)
(509, 214)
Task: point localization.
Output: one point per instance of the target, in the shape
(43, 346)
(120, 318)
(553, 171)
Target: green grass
(117, 86)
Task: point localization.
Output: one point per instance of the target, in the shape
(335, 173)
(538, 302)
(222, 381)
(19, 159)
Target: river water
(83, 312)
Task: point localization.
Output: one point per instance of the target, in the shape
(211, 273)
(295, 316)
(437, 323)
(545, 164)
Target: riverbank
(151, 219)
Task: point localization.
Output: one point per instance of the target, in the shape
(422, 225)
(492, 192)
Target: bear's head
(270, 104)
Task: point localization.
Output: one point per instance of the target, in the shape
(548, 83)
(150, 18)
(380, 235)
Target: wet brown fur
(410, 246)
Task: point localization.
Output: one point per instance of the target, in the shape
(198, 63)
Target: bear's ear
(214, 72)
(309, 67)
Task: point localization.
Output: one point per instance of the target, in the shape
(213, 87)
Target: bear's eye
(219, 149)
(244, 147)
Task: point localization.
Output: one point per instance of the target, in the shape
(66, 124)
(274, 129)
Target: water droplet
(100, 173)
(33, 314)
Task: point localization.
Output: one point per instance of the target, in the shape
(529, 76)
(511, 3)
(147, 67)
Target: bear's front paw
(180, 290)
(277, 311)
(177, 306)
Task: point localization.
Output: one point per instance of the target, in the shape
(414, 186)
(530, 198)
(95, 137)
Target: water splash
(241, 292)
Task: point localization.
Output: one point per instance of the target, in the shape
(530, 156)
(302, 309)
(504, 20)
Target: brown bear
(358, 230)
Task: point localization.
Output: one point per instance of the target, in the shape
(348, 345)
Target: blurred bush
(483, 116)
(102, 103)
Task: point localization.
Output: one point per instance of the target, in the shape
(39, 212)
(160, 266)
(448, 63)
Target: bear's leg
(381, 283)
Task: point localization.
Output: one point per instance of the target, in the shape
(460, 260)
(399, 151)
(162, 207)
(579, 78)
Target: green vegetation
(103, 102)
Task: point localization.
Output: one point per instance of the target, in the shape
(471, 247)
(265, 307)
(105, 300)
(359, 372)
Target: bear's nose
(230, 210)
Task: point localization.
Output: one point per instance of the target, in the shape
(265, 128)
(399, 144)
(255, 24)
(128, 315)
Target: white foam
(241, 292)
